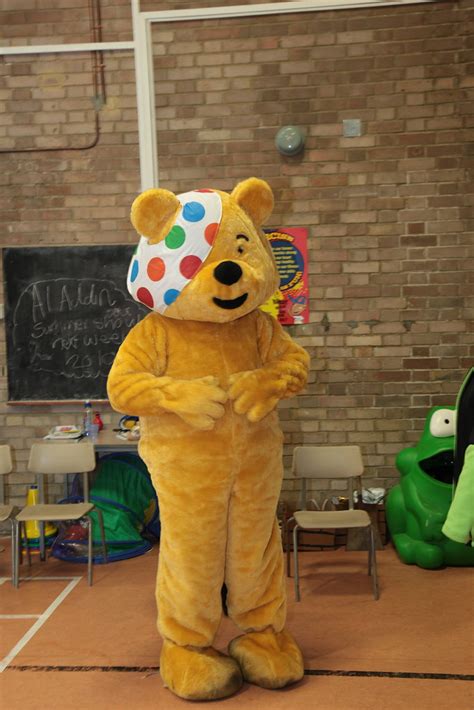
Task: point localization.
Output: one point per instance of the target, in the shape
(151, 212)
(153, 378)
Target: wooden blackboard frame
(67, 309)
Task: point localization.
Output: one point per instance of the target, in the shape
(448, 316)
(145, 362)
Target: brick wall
(388, 212)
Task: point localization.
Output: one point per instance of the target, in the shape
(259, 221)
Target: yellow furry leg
(198, 674)
(271, 660)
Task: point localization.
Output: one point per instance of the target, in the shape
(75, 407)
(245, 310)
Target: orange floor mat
(413, 648)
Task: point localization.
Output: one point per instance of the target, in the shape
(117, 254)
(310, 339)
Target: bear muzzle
(229, 273)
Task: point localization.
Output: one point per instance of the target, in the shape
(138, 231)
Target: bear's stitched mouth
(231, 303)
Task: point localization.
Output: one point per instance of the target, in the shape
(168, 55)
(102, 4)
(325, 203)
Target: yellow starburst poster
(290, 304)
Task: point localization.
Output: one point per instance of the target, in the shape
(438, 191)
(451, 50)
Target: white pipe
(271, 8)
(56, 48)
(144, 78)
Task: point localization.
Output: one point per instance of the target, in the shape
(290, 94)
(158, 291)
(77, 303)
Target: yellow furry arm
(137, 383)
(133, 384)
(282, 355)
(284, 372)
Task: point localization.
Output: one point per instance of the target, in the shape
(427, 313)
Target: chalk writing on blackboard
(62, 341)
(63, 331)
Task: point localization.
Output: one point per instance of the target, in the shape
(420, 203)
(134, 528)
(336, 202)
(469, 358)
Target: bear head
(202, 255)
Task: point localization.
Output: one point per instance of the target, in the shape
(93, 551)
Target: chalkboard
(67, 310)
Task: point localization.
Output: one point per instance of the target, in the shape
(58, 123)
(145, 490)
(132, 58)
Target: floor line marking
(308, 672)
(39, 622)
(44, 579)
(393, 674)
(20, 616)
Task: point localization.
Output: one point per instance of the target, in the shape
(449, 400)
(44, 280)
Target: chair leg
(369, 548)
(15, 554)
(100, 518)
(288, 560)
(288, 554)
(295, 553)
(375, 581)
(12, 551)
(42, 542)
(288, 546)
(24, 536)
(19, 551)
(89, 551)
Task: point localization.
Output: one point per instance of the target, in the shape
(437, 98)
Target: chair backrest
(5, 459)
(62, 457)
(327, 462)
(5, 467)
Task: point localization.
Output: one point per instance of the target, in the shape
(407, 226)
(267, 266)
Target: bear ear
(256, 198)
(153, 213)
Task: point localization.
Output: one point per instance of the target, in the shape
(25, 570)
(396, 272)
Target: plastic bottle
(87, 420)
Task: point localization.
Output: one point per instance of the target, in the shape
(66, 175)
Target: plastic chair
(49, 459)
(6, 510)
(330, 462)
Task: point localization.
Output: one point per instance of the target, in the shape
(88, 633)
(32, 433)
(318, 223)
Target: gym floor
(66, 645)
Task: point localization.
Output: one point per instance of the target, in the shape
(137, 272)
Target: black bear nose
(227, 272)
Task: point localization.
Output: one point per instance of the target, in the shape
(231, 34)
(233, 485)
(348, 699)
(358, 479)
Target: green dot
(175, 237)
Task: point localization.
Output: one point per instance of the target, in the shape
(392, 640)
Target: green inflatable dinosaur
(418, 506)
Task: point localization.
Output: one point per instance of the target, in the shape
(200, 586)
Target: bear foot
(198, 673)
(268, 659)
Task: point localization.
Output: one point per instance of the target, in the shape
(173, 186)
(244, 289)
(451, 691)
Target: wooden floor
(65, 645)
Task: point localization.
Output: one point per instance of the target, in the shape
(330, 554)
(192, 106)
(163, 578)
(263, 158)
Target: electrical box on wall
(352, 127)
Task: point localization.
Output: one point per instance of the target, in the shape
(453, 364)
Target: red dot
(204, 190)
(156, 269)
(145, 297)
(210, 232)
(189, 265)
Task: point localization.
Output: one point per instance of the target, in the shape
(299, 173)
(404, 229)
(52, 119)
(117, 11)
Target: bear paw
(268, 659)
(198, 674)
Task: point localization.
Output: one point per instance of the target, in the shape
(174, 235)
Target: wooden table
(108, 442)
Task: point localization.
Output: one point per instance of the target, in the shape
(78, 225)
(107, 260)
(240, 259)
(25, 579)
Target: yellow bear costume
(204, 372)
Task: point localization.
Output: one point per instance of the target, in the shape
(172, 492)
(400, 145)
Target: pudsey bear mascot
(204, 372)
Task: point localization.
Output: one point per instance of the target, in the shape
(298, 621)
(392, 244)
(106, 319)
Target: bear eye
(242, 237)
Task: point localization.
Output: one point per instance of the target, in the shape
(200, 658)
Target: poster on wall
(290, 304)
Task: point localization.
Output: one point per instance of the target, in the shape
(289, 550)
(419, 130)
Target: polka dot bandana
(159, 272)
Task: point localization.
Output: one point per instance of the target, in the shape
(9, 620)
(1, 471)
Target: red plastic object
(98, 420)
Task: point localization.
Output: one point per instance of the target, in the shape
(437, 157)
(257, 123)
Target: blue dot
(134, 271)
(170, 296)
(193, 211)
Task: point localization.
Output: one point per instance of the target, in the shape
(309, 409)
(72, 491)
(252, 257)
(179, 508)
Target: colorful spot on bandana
(193, 211)
(145, 297)
(163, 269)
(134, 271)
(189, 265)
(175, 237)
(156, 269)
(170, 296)
(210, 232)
